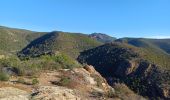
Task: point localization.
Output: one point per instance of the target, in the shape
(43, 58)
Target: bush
(35, 81)
(33, 66)
(59, 61)
(4, 76)
(64, 81)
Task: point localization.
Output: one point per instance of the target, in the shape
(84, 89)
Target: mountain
(164, 44)
(68, 43)
(102, 37)
(138, 64)
(13, 40)
(158, 44)
(123, 63)
(156, 50)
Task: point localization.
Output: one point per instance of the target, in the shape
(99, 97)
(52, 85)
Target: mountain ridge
(69, 43)
(123, 63)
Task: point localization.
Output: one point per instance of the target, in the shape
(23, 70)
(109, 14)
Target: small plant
(4, 76)
(35, 81)
(64, 81)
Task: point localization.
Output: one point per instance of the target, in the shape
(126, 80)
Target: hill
(102, 37)
(123, 63)
(13, 40)
(158, 44)
(68, 43)
(154, 50)
(164, 44)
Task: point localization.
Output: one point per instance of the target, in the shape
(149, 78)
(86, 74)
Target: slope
(123, 63)
(13, 40)
(68, 43)
(154, 50)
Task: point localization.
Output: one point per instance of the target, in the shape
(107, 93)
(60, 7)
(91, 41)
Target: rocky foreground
(75, 84)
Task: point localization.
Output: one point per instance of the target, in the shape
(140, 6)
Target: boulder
(90, 69)
(10, 70)
(85, 76)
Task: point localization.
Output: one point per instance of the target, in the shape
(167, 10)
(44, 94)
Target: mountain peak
(102, 37)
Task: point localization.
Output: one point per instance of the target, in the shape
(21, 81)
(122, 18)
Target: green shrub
(64, 81)
(4, 76)
(59, 61)
(33, 66)
(35, 81)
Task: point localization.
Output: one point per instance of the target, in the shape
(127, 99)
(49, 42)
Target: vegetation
(35, 81)
(64, 81)
(123, 92)
(13, 40)
(4, 76)
(142, 64)
(33, 66)
(123, 63)
(68, 43)
(106, 57)
(154, 50)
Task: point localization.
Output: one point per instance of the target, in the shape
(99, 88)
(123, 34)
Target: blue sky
(119, 18)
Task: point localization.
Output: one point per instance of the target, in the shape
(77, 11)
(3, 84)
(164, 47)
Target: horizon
(137, 19)
(152, 37)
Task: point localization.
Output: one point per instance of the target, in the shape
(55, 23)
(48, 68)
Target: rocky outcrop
(103, 83)
(102, 37)
(10, 93)
(54, 93)
(90, 69)
(76, 84)
(86, 78)
(84, 84)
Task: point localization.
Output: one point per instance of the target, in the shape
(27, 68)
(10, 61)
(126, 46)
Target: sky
(118, 18)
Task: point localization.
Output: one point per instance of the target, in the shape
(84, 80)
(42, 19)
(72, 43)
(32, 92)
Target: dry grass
(19, 86)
